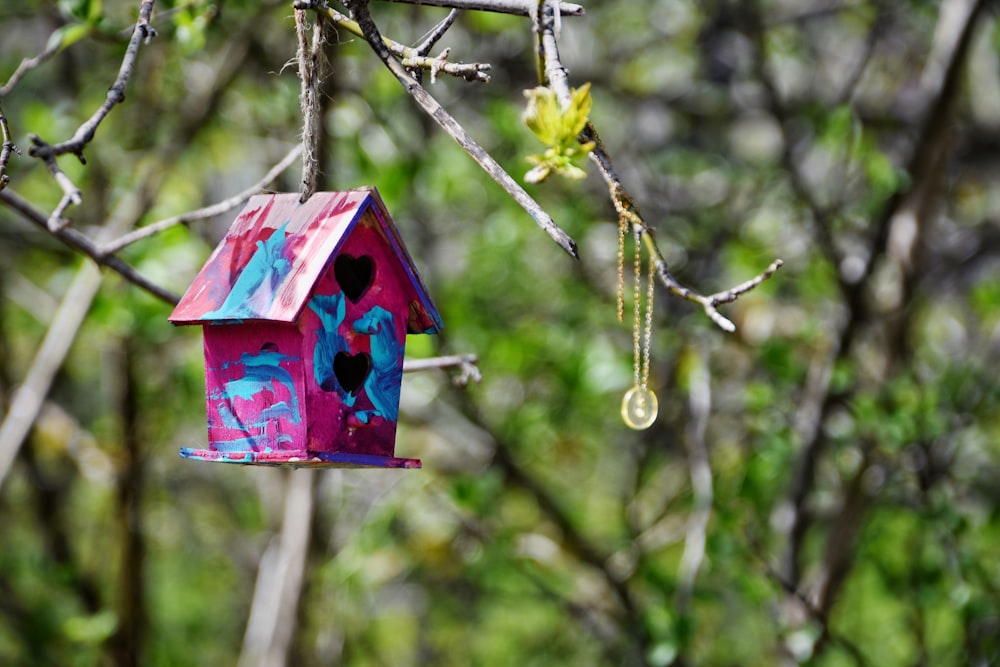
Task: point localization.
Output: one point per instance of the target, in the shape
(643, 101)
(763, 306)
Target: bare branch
(6, 150)
(436, 33)
(465, 362)
(56, 220)
(29, 398)
(79, 241)
(28, 64)
(71, 193)
(733, 293)
(412, 58)
(516, 7)
(433, 108)
(143, 31)
(203, 213)
(468, 71)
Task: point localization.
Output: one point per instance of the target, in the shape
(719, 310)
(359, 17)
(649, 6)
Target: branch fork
(141, 34)
(554, 74)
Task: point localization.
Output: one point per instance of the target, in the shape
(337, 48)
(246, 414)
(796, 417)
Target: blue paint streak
(268, 267)
(249, 443)
(260, 373)
(236, 445)
(383, 382)
(331, 310)
(279, 410)
(229, 420)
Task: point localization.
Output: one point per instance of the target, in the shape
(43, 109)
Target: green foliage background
(540, 531)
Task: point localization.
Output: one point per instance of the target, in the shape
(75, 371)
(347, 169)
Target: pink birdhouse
(305, 310)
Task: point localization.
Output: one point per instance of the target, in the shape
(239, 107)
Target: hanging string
(622, 231)
(636, 306)
(648, 333)
(310, 59)
(639, 405)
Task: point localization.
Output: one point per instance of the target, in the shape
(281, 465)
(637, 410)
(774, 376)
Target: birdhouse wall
(354, 335)
(255, 391)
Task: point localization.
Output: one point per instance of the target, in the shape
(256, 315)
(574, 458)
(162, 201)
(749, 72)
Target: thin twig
(215, 209)
(412, 58)
(56, 220)
(71, 193)
(28, 64)
(436, 33)
(142, 32)
(6, 150)
(465, 362)
(433, 108)
(79, 241)
(516, 7)
(468, 71)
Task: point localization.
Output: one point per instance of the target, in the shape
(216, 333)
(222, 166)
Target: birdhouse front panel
(254, 388)
(306, 310)
(356, 351)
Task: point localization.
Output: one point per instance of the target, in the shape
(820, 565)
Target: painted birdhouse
(305, 310)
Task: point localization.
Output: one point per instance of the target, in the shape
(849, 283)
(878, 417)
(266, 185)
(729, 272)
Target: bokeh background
(821, 487)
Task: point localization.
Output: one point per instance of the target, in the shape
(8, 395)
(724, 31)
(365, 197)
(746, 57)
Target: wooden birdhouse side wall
(354, 335)
(255, 391)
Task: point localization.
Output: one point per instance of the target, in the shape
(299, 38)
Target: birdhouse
(305, 308)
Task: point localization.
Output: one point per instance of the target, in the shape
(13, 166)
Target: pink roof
(268, 263)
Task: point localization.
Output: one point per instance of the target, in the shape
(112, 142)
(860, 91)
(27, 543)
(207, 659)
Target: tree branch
(84, 134)
(6, 150)
(218, 208)
(29, 398)
(433, 108)
(143, 32)
(465, 362)
(28, 64)
(436, 33)
(414, 58)
(516, 7)
(81, 242)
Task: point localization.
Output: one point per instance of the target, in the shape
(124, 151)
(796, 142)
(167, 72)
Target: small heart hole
(351, 370)
(354, 275)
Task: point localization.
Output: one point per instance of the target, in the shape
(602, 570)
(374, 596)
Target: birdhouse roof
(278, 248)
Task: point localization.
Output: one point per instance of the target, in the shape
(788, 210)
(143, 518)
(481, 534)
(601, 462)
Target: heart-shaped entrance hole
(354, 275)
(351, 369)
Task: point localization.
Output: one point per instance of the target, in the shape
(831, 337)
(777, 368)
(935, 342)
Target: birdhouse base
(300, 459)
